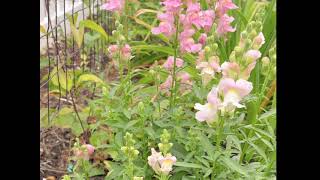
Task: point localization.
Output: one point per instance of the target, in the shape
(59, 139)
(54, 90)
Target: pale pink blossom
(258, 41)
(166, 163)
(202, 39)
(153, 160)
(188, 45)
(165, 28)
(208, 112)
(167, 17)
(126, 51)
(113, 49)
(85, 151)
(252, 55)
(230, 70)
(208, 69)
(170, 63)
(161, 164)
(222, 6)
(167, 84)
(224, 25)
(184, 78)
(113, 5)
(233, 92)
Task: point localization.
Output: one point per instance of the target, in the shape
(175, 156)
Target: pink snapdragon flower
(222, 6)
(252, 55)
(233, 92)
(258, 41)
(230, 70)
(166, 163)
(206, 19)
(172, 6)
(153, 160)
(165, 28)
(224, 25)
(85, 151)
(208, 69)
(188, 45)
(184, 78)
(161, 164)
(113, 5)
(167, 84)
(203, 39)
(170, 63)
(125, 51)
(167, 17)
(208, 112)
(234, 71)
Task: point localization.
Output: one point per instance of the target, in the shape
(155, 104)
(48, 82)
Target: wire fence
(63, 55)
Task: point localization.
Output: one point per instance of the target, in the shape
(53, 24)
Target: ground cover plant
(170, 89)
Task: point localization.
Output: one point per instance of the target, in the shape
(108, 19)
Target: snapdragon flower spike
(233, 92)
(153, 160)
(224, 25)
(209, 111)
(170, 63)
(113, 5)
(252, 56)
(222, 6)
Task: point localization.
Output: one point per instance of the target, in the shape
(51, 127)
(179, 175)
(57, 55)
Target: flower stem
(173, 84)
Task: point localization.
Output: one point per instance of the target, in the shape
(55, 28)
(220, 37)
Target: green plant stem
(164, 177)
(219, 133)
(126, 29)
(173, 84)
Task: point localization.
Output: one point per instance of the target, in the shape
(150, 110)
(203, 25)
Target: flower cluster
(244, 56)
(222, 7)
(225, 97)
(182, 77)
(162, 162)
(185, 18)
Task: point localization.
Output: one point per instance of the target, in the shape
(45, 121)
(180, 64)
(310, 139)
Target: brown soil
(55, 145)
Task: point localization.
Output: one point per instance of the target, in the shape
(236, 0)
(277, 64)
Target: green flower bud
(247, 44)
(253, 34)
(265, 61)
(214, 46)
(117, 23)
(233, 56)
(207, 49)
(238, 51)
(244, 35)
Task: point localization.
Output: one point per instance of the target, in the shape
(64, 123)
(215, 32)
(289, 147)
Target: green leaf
(130, 124)
(207, 146)
(95, 27)
(188, 165)
(259, 151)
(234, 165)
(90, 78)
(60, 78)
